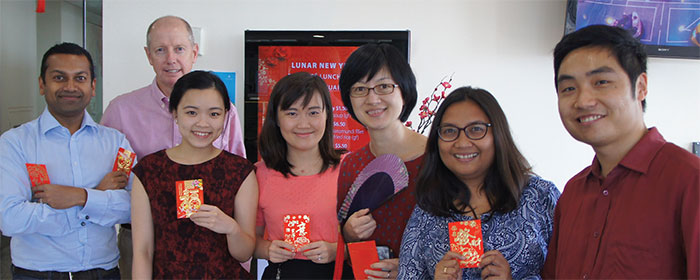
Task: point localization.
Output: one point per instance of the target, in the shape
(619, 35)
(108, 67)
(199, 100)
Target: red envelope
(466, 239)
(190, 196)
(362, 255)
(296, 230)
(37, 174)
(124, 161)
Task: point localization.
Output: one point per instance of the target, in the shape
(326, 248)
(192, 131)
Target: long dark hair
(438, 187)
(272, 146)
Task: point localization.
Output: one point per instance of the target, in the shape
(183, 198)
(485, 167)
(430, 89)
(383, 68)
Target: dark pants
(92, 274)
(126, 251)
(5, 257)
(298, 269)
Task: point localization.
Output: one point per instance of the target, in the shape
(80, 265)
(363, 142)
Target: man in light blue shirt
(69, 231)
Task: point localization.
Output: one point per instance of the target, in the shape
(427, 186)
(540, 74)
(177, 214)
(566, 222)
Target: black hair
(628, 51)
(366, 61)
(438, 188)
(198, 80)
(287, 91)
(66, 48)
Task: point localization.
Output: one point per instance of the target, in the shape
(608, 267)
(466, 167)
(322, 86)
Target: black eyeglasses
(380, 89)
(475, 131)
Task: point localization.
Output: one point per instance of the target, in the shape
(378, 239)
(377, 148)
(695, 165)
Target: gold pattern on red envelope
(124, 161)
(38, 174)
(296, 230)
(190, 196)
(466, 239)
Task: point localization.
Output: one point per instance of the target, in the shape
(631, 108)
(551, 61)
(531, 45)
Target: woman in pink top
(298, 181)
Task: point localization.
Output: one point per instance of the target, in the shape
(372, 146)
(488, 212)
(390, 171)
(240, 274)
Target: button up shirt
(73, 239)
(144, 116)
(641, 221)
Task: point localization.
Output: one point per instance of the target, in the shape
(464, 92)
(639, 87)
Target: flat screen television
(271, 55)
(668, 28)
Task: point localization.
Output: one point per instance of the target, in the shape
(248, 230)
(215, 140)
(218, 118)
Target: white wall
(19, 89)
(502, 46)
(24, 38)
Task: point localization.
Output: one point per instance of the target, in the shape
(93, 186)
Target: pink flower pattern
(430, 104)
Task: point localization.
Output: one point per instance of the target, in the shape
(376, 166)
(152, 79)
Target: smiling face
(170, 52)
(67, 85)
(468, 159)
(303, 127)
(378, 111)
(200, 117)
(597, 103)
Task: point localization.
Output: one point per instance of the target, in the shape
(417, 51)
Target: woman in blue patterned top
(473, 170)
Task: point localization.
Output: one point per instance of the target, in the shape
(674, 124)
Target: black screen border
(256, 38)
(682, 52)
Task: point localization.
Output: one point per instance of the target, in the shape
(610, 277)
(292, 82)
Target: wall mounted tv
(271, 55)
(668, 28)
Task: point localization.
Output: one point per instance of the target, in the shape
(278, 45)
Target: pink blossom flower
(423, 114)
(446, 85)
(409, 123)
(436, 97)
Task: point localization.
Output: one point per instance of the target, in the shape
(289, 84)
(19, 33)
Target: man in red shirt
(635, 212)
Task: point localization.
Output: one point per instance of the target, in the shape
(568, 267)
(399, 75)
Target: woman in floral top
(473, 170)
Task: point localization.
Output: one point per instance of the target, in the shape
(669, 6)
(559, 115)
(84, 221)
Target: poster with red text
(275, 62)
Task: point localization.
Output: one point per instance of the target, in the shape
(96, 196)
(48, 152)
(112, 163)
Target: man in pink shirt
(143, 116)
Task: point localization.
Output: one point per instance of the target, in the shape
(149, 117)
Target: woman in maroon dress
(220, 234)
(379, 90)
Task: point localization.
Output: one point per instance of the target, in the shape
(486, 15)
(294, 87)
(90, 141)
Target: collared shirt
(641, 221)
(72, 239)
(144, 116)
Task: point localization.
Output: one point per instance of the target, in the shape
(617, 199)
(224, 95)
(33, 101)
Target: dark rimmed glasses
(474, 131)
(380, 89)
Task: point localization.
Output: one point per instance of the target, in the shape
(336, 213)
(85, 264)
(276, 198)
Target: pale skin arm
(320, 251)
(142, 232)
(359, 226)
(239, 230)
(276, 251)
(242, 244)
